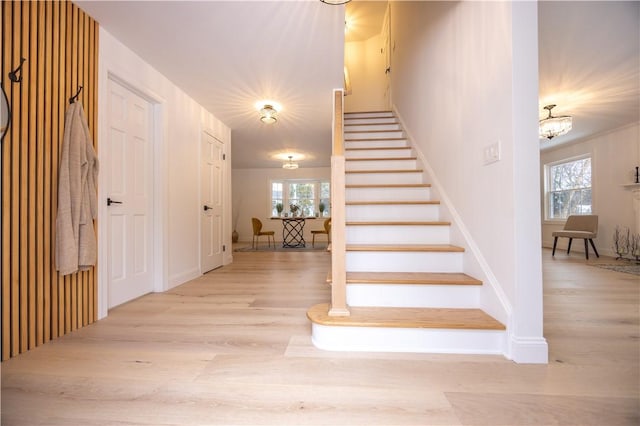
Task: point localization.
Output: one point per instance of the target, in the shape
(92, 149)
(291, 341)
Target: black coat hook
(13, 75)
(75, 97)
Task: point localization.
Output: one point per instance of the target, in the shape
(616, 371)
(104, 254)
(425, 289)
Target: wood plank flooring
(232, 347)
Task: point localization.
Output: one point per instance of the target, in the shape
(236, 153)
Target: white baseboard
(525, 350)
(181, 278)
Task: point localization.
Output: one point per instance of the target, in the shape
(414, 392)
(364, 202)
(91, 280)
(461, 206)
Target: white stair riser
(387, 261)
(368, 127)
(373, 135)
(382, 178)
(378, 213)
(409, 234)
(369, 115)
(413, 295)
(388, 194)
(369, 143)
(419, 340)
(374, 164)
(378, 153)
(381, 120)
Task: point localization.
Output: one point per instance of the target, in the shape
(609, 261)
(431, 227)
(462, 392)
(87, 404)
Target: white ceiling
(228, 55)
(589, 65)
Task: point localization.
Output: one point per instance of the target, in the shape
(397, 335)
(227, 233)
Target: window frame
(285, 194)
(547, 182)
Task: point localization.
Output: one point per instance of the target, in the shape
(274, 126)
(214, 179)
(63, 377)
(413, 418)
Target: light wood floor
(233, 347)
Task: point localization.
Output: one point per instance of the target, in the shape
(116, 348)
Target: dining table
(293, 230)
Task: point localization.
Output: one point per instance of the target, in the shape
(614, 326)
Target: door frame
(158, 191)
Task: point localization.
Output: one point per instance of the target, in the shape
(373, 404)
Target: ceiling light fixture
(551, 126)
(268, 114)
(335, 2)
(290, 165)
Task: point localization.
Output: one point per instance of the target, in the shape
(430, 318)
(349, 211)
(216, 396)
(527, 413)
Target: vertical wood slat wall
(60, 43)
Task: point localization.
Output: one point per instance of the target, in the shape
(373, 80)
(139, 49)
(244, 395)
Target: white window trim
(545, 194)
(285, 192)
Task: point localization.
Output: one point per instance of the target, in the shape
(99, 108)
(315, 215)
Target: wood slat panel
(14, 184)
(7, 30)
(39, 196)
(60, 44)
(46, 196)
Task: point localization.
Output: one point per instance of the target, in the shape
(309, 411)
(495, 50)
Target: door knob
(110, 201)
(207, 208)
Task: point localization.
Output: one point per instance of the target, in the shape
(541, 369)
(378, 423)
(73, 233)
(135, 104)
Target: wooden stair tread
(390, 185)
(452, 278)
(438, 248)
(374, 139)
(372, 131)
(385, 171)
(392, 123)
(440, 318)
(417, 278)
(381, 159)
(377, 148)
(383, 203)
(406, 223)
(367, 112)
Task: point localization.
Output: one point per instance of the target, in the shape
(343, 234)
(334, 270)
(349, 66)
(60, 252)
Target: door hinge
(224, 156)
(224, 248)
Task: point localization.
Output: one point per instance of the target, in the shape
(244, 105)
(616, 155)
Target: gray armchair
(579, 226)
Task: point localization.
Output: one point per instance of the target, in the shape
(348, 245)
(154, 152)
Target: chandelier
(290, 164)
(551, 126)
(268, 114)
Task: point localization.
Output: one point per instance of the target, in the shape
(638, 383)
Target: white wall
(251, 198)
(366, 68)
(457, 89)
(614, 156)
(180, 122)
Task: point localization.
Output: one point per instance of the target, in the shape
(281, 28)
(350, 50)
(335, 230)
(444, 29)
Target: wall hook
(75, 97)
(13, 75)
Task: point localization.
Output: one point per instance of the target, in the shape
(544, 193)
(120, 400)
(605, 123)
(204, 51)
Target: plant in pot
(279, 208)
(293, 208)
(321, 207)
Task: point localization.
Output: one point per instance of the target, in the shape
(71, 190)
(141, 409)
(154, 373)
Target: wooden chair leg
(569, 247)
(555, 242)
(586, 249)
(313, 240)
(594, 247)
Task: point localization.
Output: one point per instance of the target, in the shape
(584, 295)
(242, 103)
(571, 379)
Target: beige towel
(76, 244)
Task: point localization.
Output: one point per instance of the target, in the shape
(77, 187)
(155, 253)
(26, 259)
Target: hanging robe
(76, 244)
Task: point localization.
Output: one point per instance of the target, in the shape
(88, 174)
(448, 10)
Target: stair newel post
(338, 213)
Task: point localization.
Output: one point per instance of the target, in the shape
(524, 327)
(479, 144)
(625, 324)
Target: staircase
(406, 289)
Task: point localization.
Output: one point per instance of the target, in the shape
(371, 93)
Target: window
(568, 188)
(306, 194)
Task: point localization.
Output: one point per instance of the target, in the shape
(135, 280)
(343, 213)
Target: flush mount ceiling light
(268, 114)
(335, 2)
(551, 126)
(290, 165)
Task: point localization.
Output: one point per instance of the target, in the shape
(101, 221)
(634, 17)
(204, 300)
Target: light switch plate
(491, 153)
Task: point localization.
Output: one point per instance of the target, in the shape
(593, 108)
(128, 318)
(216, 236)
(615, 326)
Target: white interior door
(211, 203)
(129, 192)
(386, 47)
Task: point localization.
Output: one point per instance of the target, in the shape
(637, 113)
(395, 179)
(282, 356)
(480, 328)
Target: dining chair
(258, 232)
(326, 230)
